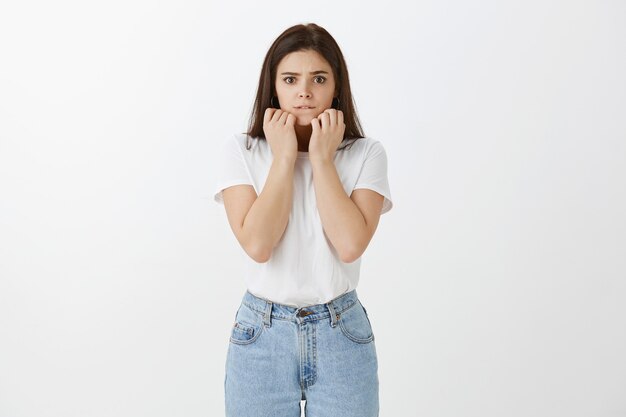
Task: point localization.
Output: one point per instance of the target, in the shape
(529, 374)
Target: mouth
(304, 108)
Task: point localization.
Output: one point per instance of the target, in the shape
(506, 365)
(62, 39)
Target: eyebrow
(312, 73)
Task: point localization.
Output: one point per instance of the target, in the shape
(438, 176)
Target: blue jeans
(279, 355)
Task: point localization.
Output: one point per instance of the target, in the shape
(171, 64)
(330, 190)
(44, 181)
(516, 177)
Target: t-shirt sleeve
(373, 174)
(232, 169)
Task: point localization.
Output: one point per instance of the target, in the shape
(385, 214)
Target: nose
(305, 91)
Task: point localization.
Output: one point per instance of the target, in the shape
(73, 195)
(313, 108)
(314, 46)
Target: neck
(303, 133)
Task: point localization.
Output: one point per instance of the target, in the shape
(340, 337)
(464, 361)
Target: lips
(304, 107)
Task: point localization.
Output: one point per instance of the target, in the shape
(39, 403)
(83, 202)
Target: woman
(303, 190)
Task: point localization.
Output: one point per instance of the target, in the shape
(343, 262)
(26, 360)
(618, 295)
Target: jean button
(303, 313)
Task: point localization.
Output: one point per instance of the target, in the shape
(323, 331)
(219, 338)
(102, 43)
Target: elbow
(352, 250)
(349, 256)
(259, 253)
(255, 245)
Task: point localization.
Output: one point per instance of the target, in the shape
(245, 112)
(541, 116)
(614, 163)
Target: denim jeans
(279, 355)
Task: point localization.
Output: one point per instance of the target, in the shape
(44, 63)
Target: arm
(349, 222)
(259, 222)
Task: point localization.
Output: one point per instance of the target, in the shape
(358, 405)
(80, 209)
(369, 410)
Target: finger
(324, 120)
(283, 117)
(340, 118)
(332, 116)
(268, 115)
(315, 124)
(291, 119)
(277, 115)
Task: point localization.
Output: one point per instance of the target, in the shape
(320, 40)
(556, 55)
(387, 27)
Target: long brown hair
(302, 38)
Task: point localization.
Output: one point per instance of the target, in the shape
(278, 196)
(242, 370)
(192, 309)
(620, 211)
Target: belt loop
(334, 317)
(267, 317)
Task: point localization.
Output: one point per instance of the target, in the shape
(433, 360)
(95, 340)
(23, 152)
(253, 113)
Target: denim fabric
(279, 355)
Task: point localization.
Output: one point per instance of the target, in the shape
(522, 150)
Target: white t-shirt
(304, 268)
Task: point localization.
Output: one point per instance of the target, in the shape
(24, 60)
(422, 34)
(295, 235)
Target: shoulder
(241, 140)
(238, 144)
(365, 147)
(366, 142)
(248, 143)
(230, 147)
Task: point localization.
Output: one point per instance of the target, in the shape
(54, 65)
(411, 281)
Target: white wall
(495, 286)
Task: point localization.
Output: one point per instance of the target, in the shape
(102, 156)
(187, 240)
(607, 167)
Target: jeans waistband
(331, 309)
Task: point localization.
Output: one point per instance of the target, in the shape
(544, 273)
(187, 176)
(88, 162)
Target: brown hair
(302, 38)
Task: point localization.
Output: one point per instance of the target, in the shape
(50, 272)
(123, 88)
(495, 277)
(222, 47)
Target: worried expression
(305, 85)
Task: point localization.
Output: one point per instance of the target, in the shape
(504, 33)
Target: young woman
(303, 190)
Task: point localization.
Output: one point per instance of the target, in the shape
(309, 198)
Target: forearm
(342, 220)
(267, 218)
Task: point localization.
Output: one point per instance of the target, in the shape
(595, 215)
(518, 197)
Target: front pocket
(355, 324)
(244, 333)
(247, 327)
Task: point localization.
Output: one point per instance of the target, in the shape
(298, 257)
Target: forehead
(308, 59)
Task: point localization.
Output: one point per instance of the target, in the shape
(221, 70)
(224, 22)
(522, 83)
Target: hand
(327, 135)
(278, 126)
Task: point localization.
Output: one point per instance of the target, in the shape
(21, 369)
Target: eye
(321, 79)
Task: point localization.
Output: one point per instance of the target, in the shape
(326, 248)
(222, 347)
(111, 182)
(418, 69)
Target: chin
(304, 121)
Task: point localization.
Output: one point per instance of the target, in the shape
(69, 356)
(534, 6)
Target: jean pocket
(247, 328)
(355, 324)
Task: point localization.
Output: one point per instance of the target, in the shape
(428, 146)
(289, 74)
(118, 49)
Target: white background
(496, 286)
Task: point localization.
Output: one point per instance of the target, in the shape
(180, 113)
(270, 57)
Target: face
(304, 78)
